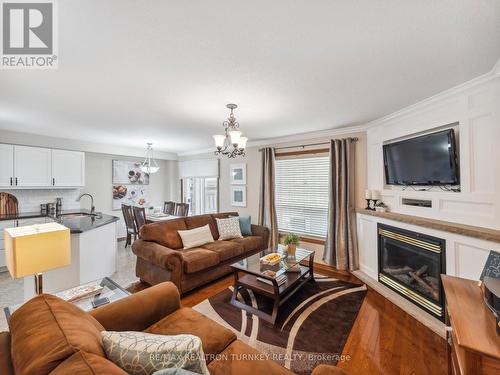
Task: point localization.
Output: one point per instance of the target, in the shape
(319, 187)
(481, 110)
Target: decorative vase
(290, 249)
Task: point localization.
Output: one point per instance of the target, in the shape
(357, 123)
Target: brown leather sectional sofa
(49, 336)
(160, 254)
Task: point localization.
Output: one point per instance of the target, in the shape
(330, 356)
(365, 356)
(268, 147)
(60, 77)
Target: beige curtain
(267, 207)
(341, 248)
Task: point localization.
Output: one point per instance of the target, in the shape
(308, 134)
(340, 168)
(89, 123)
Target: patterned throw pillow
(229, 228)
(140, 353)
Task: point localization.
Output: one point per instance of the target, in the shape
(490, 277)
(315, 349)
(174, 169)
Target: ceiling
(162, 71)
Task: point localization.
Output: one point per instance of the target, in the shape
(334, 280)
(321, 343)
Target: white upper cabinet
(23, 167)
(6, 165)
(68, 168)
(32, 166)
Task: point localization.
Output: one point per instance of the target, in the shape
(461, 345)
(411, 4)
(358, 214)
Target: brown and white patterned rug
(312, 326)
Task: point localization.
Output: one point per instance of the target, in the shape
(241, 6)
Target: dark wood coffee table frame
(279, 294)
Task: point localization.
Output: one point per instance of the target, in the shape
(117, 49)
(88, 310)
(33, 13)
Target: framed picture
(129, 173)
(238, 174)
(133, 195)
(239, 196)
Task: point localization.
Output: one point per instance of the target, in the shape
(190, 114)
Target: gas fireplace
(411, 263)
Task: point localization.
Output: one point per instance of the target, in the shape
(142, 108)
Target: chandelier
(231, 143)
(149, 164)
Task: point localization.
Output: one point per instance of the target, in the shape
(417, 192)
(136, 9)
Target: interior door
(68, 168)
(32, 166)
(6, 165)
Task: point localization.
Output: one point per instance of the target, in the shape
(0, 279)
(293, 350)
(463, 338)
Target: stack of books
(281, 279)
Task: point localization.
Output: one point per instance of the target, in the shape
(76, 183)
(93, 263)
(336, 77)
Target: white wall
(476, 107)
(98, 182)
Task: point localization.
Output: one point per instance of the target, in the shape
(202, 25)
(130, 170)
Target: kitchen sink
(76, 215)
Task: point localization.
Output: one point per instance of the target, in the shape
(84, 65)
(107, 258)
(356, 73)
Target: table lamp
(33, 249)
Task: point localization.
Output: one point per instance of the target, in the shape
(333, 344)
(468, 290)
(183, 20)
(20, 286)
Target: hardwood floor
(384, 339)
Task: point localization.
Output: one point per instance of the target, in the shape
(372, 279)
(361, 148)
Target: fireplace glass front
(411, 264)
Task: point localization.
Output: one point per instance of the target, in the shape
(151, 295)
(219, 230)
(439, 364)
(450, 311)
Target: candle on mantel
(375, 194)
(368, 194)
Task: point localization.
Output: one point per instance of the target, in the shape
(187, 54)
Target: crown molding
(496, 68)
(36, 140)
(443, 95)
(289, 138)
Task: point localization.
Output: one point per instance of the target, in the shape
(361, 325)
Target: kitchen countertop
(75, 224)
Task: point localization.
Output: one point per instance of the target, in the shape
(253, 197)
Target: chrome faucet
(92, 209)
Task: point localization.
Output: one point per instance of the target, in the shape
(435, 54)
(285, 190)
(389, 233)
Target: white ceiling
(162, 71)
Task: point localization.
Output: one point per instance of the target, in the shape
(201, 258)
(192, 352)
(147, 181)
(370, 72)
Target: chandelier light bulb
(219, 140)
(235, 136)
(242, 143)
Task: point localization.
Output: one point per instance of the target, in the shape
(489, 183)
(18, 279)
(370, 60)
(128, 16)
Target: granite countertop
(76, 224)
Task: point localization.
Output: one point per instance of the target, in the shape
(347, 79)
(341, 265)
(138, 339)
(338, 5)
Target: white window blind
(302, 195)
(199, 168)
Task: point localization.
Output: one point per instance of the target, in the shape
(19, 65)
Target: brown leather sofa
(51, 336)
(160, 254)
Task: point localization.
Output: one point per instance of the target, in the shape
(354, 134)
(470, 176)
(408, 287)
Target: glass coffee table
(110, 290)
(250, 273)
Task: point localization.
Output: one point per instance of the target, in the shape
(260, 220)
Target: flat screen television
(426, 160)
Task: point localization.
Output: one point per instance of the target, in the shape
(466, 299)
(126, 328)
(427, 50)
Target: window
(201, 194)
(302, 195)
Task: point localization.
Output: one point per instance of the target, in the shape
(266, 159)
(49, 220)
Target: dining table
(156, 217)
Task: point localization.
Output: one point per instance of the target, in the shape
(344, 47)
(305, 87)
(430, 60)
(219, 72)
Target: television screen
(426, 160)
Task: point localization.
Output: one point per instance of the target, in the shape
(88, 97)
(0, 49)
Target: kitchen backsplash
(30, 199)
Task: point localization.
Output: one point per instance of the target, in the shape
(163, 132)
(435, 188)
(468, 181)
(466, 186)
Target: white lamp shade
(219, 140)
(149, 169)
(235, 136)
(243, 142)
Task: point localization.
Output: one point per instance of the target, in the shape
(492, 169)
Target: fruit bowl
(271, 259)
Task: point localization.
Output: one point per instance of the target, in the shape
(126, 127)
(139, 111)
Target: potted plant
(291, 240)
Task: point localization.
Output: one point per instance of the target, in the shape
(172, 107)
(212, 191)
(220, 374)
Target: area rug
(312, 326)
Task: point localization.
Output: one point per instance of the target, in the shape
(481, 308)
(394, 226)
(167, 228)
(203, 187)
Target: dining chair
(139, 217)
(182, 209)
(169, 207)
(128, 217)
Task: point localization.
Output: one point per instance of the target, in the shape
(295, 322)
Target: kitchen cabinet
(68, 168)
(6, 165)
(26, 167)
(32, 166)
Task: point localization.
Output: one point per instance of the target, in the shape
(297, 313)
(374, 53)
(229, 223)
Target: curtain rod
(355, 139)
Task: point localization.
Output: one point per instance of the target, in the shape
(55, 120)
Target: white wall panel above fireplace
(476, 109)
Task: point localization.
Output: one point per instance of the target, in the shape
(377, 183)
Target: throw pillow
(245, 225)
(196, 237)
(140, 353)
(229, 228)
(174, 371)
